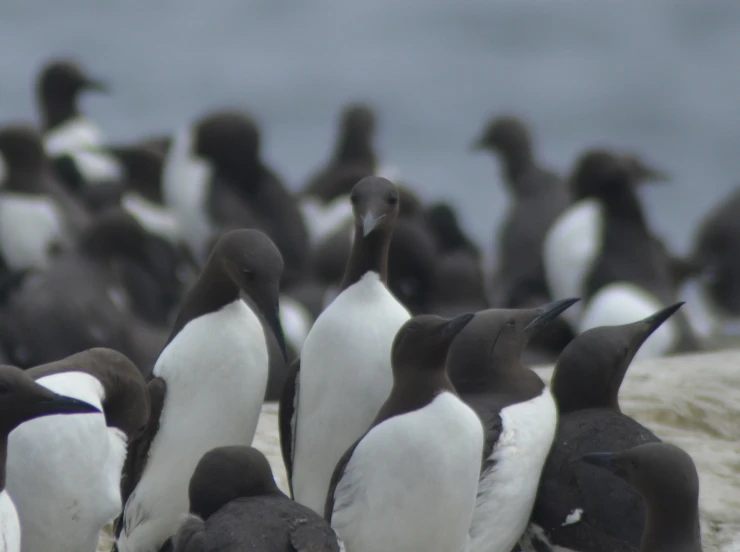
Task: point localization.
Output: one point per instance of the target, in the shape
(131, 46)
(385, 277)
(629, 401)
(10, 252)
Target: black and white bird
(519, 417)
(73, 141)
(571, 511)
(335, 389)
(64, 472)
(21, 400)
(208, 384)
(410, 482)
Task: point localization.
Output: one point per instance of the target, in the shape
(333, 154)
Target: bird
(518, 413)
(216, 180)
(538, 197)
(71, 139)
(79, 302)
(235, 503)
(665, 477)
(353, 158)
(38, 217)
(344, 373)
(208, 384)
(21, 400)
(64, 472)
(449, 237)
(570, 511)
(410, 482)
(603, 249)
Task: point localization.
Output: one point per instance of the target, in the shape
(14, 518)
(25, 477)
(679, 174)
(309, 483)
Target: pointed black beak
(547, 313)
(456, 325)
(645, 173)
(369, 223)
(60, 404)
(95, 85)
(603, 460)
(648, 325)
(272, 316)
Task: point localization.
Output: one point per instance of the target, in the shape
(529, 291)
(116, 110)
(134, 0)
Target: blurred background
(660, 78)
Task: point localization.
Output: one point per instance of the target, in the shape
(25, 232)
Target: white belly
(64, 471)
(216, 376)
(155, 219)
(82, 140)
(507, 491)
(570, 248)
(10, 529)
(624, 303)
(411, 482)
(345, 378)
(29, 226)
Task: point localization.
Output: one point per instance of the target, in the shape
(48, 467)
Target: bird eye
(249, 275)
(392, 199)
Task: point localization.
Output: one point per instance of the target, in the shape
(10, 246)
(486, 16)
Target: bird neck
(369, 254)
(57, 111)
(671, 531)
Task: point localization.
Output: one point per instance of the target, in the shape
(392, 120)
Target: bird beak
(369, 223)
(272, 316)
(645, 173)
(549, 312)
(477, 145)
(456, 325)
(60, 404)
(95, 85)
(647, 326)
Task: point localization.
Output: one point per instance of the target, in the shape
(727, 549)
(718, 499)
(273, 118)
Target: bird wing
(288, 417)
(139, 448)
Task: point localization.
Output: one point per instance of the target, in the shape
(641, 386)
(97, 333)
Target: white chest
(570, 249)
(82, 140)
(507, 490)
(411, 482)
(216, 375)
(156, 219)
(345, 375)
(64, 472)
(10, 529)
(29, 226)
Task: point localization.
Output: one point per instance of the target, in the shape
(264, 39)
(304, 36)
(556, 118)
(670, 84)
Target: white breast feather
(155, 219)
(507, 490)
(29, 226)
(571, 246)
(411, 482)
(624, 303)
(185, 183)
(216, 376)
(64, 471)
(345, 379)
(10, 529)
(81, 139)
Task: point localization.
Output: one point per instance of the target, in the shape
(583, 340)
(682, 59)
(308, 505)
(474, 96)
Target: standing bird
(64, 472)
(235, 503)
(666, 478)
(518, 413)
(37, 215)
(216, 180)
(208, 386)
(334, 390)
(409, 483)
(538, 196)
(570, 511)
(72, 140)
(353, 158)
(21, 400)
(603, 249)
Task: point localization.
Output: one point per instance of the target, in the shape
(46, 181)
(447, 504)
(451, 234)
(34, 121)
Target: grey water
(658, 77)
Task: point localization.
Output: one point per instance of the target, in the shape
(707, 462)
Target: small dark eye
(510, 323)
(392, 199)
(249, 276)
